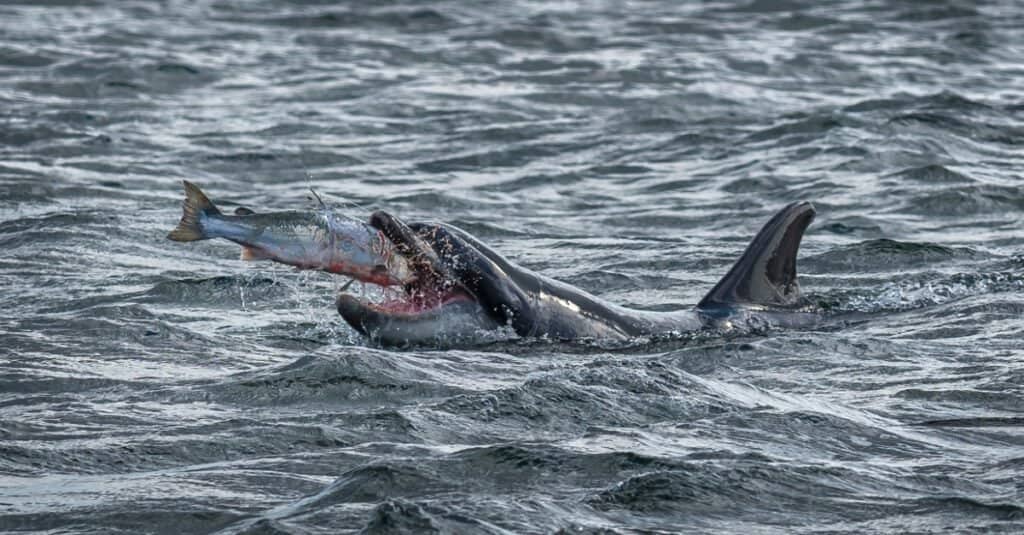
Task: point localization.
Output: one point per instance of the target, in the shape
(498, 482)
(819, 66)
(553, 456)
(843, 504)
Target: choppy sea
(629, 148)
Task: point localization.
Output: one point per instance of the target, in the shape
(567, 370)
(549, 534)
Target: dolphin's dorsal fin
(766, 273)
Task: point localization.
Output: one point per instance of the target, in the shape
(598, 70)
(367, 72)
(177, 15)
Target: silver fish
(308, 240)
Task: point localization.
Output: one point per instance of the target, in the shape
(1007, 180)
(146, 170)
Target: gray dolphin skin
(465, 290)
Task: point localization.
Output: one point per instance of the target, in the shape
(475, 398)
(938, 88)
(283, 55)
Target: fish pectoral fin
(250, 254)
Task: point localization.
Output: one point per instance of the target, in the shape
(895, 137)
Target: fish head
(378, 263)
(362, 252)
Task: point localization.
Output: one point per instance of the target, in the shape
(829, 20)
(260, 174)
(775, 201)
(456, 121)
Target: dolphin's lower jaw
(453, 321)
(475, 292)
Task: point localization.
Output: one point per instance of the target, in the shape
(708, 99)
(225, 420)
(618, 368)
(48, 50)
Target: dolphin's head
(439, 306)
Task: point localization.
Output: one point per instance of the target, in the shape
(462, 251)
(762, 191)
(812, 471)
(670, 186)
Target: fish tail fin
(766, 273)
(195, 206)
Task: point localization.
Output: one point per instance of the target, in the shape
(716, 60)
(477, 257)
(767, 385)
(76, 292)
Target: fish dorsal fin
(766, 273)
(316, 196)
(241, 210)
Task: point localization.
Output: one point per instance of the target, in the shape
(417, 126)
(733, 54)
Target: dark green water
(628, 148)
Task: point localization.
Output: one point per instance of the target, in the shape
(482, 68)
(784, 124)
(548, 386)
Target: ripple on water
(965, 201)
(886, 255)
(364, 379)
(630, 151)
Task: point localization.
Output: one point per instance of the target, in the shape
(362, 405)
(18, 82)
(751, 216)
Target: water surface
(629, 148)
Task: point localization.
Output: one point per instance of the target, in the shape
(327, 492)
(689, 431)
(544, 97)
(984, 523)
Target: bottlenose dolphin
(464, 288)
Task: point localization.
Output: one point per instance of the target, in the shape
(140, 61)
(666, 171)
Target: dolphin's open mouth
(428, 292)
(412, 299)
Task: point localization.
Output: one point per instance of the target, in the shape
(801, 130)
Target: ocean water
(628, 148)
